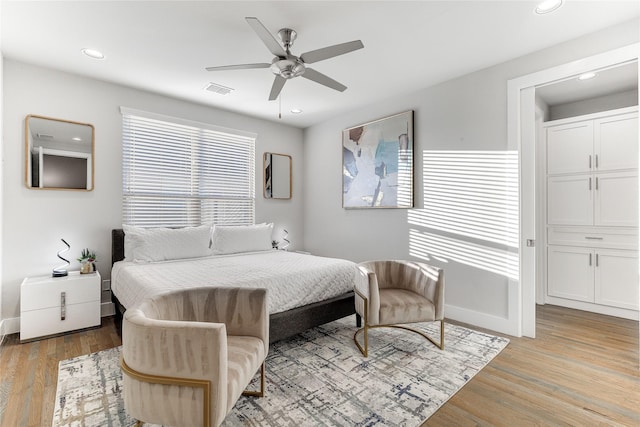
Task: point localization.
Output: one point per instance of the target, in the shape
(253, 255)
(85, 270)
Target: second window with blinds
(178, 173)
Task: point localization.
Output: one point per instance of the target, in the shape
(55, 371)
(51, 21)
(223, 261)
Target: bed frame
(281, 325)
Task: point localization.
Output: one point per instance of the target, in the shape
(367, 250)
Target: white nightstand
(51, 305)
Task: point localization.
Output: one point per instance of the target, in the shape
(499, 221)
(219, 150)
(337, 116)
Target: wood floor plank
(581, 370)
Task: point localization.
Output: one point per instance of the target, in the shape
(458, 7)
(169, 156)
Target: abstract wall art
(377, 163)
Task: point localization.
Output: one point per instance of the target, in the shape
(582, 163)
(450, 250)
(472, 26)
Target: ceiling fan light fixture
(548, 6)
(287, 68)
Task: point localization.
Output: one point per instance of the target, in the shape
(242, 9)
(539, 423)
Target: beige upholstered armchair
(391, 293)
(187, 356)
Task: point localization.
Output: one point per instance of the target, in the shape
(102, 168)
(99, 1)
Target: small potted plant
(87, 259)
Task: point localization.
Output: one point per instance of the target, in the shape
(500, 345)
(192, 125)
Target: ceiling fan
(286, 65)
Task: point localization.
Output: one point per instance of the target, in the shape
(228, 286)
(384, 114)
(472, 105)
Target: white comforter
(293, 279)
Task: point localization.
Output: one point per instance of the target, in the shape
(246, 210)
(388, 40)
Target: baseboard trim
(476, 318)
(10, 326)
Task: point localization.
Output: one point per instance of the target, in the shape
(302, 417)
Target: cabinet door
(616, 142)
(616, 199)
(570, 200)
(616, 278)
(570, 272)
(570, 148)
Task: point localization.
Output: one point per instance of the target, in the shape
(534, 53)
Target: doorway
(522, 137)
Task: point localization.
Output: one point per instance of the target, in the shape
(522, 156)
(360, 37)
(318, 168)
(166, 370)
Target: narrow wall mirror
(277, 176)
(59, 154)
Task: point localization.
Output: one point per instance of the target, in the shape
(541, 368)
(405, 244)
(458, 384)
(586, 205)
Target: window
(177, 173)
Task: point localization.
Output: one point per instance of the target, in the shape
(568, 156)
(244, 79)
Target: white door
(616, 278)
(616, 199)
(570, 200)
(570, 148)
(616, 142)
(570, 272)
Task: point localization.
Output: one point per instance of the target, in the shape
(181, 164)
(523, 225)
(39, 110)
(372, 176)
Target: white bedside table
(51, 305)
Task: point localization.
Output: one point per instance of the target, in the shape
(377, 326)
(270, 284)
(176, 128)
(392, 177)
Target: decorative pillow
(163, 244)
(232, 239)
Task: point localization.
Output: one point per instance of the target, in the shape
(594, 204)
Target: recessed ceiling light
(92, 53)
(296, 110)
(548, 6)
(587, 76)
(76, 138)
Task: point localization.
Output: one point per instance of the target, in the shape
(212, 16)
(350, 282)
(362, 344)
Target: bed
(304, 291)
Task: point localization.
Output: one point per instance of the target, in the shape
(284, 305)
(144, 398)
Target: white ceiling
(165, 46)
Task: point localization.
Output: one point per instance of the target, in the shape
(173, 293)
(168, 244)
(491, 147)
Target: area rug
(318, 378)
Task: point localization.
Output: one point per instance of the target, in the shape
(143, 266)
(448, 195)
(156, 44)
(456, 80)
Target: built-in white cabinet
(570, 148)
(616, 278)
(615, 146)
(570, 272)
(601, 276)
(592, 212)
(601, 199)
(595, 145)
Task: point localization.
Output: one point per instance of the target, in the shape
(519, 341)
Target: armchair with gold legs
(188, 355)
(393, 293)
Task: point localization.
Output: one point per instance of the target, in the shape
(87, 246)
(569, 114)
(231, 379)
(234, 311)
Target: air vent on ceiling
(219, 89)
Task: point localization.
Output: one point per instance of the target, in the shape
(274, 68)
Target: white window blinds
(177, 174)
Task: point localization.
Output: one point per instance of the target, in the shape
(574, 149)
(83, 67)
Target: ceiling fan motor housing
(288, 67)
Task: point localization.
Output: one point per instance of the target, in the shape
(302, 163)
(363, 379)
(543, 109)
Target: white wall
(34, 221)
(468, 113)
(2, 331)
(594, 105)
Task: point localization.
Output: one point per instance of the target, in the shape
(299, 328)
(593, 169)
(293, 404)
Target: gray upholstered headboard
(117, 245)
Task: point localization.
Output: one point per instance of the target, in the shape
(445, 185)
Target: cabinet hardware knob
(590, 259)
(597, 260)
(593, 238)
(596, 161)
(589, 161)
(589, 183)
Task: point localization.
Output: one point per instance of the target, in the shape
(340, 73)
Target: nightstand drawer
(43, 300)
(38, 323)
(45, 292)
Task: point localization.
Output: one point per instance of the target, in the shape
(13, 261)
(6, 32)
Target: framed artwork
(377, 163)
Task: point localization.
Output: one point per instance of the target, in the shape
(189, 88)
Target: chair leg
(364, 350)
(365, 328)
(259, 393)
(440, 345)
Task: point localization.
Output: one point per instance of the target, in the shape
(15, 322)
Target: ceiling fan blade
(317, 77)
(266, 37)
(238, 67)
(278, 84)
(330, 51)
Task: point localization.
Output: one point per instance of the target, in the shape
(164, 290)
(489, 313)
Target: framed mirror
(59, 154)
(277, 176)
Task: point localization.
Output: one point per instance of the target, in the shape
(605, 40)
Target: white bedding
(293, 279)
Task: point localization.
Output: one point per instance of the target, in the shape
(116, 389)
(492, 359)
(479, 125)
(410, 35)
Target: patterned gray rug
(318, 378)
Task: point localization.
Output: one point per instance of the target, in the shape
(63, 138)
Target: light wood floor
(582, 370)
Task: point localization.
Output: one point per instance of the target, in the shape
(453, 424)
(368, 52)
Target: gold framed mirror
(277, 176)
(59, 154)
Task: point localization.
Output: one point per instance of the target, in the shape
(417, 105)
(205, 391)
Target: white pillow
(231, 239)
(163, 244)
